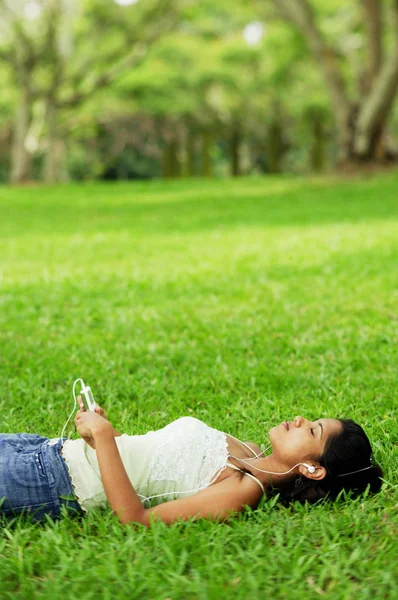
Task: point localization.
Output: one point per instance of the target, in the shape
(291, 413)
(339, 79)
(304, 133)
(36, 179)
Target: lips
(286, 424)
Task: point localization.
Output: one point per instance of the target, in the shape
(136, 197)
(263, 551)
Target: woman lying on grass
(202, 471)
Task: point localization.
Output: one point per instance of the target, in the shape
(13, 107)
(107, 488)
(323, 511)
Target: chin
(273, 433)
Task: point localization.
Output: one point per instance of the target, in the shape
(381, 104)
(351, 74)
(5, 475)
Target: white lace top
(175, 461)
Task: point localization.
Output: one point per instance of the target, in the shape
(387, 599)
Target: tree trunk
(190, 154)
(171, 165)
(21, 160)
(317, 154)
(50, 163)
(167, 169)
(373, 22)
(54, 164)
(175, 152)
(275, 147)
(366, 142)
(360, 128)
(207, 165)
(236, 140)
(376, 108)
(301, 14)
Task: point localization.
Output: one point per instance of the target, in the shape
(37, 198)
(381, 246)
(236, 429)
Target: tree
(20, 54)
(362, 103)
(210, 100)
(63, 52)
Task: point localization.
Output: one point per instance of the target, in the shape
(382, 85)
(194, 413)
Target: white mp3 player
(88, 396)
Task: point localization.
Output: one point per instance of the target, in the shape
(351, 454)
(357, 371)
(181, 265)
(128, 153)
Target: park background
(198, 215)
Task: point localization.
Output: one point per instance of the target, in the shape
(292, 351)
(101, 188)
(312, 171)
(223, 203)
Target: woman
(202, 471)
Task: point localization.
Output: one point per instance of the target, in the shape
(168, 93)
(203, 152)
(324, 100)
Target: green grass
(242, 303)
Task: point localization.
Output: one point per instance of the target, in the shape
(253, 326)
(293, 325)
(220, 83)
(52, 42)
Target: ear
(319, 473)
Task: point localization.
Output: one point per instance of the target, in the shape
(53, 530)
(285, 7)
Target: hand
(100, 411)
(90, 424)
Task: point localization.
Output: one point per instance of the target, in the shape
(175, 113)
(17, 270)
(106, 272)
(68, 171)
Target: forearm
(120, 493)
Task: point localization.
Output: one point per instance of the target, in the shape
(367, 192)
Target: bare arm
(120, 493)
(216, 502)
(116, 433)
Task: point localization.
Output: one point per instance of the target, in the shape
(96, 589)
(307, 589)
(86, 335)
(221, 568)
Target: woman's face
(302, 440)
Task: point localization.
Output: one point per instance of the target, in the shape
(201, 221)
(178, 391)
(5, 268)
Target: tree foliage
(358, 59)
(176, 87)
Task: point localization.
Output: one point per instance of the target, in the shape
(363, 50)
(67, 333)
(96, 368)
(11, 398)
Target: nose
(298, 421)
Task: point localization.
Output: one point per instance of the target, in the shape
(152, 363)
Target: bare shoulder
(216, 502)
(254, 447)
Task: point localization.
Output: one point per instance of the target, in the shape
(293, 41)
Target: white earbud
(310, 468)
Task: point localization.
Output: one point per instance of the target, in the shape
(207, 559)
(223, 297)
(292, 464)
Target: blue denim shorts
(34, 478)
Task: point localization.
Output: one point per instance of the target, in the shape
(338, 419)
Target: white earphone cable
(73, 410)
(271, 472)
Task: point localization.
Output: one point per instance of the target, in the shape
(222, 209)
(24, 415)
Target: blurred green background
(126, 89)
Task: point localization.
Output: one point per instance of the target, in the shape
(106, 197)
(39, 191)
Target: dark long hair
(346, 451)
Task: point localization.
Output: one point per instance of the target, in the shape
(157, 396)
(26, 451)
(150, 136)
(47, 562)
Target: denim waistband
(59, 480)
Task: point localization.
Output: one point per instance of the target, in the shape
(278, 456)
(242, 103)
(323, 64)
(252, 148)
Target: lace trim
(189, 452)
(176, 450)
(215, 455)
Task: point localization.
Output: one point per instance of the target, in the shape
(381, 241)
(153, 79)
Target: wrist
(102, 430)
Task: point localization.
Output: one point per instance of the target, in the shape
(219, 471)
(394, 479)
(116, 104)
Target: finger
(79, 415)
(81, 403)
(100, 411)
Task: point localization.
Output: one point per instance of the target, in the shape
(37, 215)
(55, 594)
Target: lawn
(242, 303)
